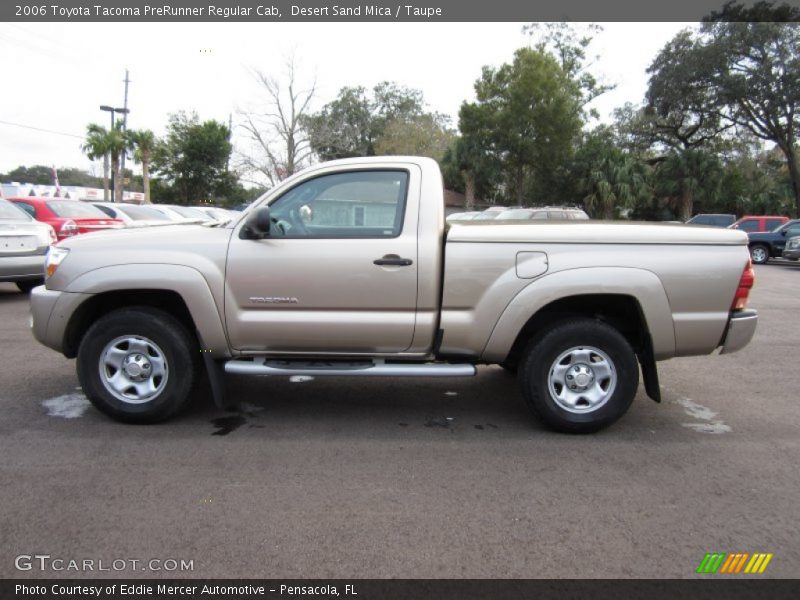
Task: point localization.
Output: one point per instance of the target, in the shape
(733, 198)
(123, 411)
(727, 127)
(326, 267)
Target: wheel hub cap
(133, 369)
(579, 377)
(136, 366)
(582, 379)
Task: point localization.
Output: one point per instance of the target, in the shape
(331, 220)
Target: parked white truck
(347, 269)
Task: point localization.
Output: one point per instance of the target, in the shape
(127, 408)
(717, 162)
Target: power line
(80, 137)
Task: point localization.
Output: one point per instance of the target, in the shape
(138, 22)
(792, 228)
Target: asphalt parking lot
(410, 479)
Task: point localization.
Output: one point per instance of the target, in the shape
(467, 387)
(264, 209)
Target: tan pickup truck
(346, 269)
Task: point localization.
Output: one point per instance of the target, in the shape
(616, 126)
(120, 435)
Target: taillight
(746, 282)
(68, 228)
(53, 237)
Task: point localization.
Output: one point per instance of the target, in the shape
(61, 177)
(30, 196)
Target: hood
(189, 245)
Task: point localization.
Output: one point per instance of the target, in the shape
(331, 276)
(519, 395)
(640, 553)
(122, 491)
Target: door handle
(393, 260)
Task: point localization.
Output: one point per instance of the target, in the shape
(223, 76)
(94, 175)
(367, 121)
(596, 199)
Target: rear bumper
(741, 328)
(18, 268)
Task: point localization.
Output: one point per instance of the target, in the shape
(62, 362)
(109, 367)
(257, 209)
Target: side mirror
(257, 225)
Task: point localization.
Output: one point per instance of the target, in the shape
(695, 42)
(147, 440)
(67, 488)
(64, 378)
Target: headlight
(793, 243)
(55, 256)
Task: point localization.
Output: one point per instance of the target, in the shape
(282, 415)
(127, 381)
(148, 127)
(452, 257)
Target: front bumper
(50, 314)
(741, 327)
(792, 254)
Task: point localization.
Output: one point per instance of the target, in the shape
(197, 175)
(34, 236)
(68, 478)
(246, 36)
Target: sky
(56, 75)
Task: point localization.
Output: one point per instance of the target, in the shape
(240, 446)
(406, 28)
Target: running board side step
(361, 368)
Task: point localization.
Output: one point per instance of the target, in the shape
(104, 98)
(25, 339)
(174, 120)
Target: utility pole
(230, 136)
(124, 128)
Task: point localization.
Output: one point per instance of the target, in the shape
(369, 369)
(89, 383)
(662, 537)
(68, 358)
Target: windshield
(143, 213)
(9, 212)
(72, 209)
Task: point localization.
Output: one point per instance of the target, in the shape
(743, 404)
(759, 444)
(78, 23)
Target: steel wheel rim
(582, 379)
(759, 255)
(133, 369)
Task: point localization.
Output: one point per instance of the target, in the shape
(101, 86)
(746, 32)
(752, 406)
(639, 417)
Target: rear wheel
(137, 365)
(759, 254)
(580, 376)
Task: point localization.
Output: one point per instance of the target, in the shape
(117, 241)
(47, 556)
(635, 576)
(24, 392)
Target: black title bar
(269, 11)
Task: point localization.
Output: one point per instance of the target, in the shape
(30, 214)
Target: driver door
(338, 272)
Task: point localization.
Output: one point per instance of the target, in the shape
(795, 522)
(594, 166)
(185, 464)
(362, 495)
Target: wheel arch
(633, 299)
(178, 290)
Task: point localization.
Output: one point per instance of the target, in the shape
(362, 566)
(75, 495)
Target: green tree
(117, 144)
(98, 144)
(143, 143)
(609, 178)
(423, 135)
(194, 157)
(528, 115)
(354, 123)
(569, 44)
(744, 73)
(685, 176)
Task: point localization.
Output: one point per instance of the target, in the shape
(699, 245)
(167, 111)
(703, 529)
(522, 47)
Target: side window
(793, 231)
(368, 204)
(28, 208)
(539, 216)
(557, 214)
(107, 210)
(748, 226)
(774, 223)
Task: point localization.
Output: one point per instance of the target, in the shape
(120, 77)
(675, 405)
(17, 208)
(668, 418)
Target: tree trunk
(106, 193)
(469, 190)
(794, 175)
(115, 165)
(146, 179)
(686, 203)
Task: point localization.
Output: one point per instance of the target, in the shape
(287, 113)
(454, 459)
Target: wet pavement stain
(403, 424)
(225, 425)
(479, 427)
(443, 422)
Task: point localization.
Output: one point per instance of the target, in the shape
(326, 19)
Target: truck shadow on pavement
(348, 406)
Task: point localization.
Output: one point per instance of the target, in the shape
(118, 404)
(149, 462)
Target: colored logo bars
(732, 563)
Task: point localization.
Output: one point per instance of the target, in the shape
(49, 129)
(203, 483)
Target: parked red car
(759, 223)
(67, 217)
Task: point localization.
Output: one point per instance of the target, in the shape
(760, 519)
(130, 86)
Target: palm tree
(143, 142)
(96, 146)
(117, 144)
(686, 174)
(615, 181)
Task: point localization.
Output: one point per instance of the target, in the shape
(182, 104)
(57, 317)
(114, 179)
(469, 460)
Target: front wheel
(137, 365)
(759, 254)
(580, 376)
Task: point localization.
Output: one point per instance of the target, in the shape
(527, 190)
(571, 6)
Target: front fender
(188, 282)
(642, 285)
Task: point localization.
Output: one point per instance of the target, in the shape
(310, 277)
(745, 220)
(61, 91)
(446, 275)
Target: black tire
(26, 286)
(759, 254)
(167, 336)
(573, 336)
